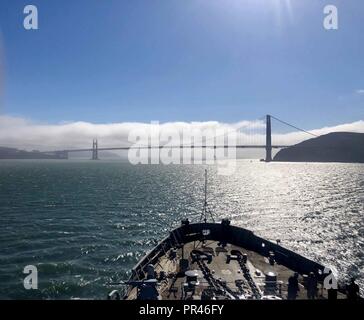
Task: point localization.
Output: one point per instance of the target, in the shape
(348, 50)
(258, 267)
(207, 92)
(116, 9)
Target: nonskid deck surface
(221, 273)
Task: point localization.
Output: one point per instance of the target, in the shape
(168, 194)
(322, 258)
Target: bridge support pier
(95, 151)
(268, 142)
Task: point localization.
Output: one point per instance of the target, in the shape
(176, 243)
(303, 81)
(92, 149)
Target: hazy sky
(183, 60)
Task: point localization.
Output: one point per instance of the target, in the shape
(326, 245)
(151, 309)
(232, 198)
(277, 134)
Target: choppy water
(84, 224)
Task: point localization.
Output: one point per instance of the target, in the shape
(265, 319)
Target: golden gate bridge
(268, 146)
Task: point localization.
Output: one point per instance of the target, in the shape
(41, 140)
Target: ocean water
(86, 223)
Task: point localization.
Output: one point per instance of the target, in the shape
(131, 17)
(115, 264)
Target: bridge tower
(268, 141)
(95, 150)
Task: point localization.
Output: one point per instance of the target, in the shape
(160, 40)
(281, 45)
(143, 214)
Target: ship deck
(222, 273)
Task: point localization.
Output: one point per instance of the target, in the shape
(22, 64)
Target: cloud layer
(25, 134)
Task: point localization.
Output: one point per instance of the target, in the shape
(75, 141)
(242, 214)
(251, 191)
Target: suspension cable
(290, 125)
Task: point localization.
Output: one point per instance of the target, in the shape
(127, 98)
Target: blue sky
(183, 60)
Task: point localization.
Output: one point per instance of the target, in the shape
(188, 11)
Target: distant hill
(332, 147)
(12, 153)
